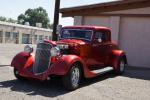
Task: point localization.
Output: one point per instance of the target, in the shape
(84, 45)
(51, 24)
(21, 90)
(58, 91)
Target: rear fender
(115, 57)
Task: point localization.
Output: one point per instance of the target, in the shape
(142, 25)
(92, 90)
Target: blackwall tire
(16, 74)
(71, 81)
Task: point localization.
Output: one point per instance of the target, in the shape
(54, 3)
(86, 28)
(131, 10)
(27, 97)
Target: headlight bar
(63, 46)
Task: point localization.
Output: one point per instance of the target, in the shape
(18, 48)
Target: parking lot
(134, 84)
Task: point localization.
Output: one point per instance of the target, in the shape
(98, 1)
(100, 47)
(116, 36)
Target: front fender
(115, 57)
(22, 60)
(63, 65)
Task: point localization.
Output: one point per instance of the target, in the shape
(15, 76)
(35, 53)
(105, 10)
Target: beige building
(129, 21)
(22, 34)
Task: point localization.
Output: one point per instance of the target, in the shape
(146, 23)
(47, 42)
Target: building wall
(13, 33)
(78, 20)
(134, 38)
(99, 21)
(131, 33)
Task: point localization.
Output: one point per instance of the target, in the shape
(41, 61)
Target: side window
(99, 36)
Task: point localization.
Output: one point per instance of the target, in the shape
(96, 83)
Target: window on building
(40, 37)
(50, 38)
(46, 37)
(35, 39)
(7, 34)
(25, 38)
(15, 37)
(1, 36)
(11, 37)
(8, 37)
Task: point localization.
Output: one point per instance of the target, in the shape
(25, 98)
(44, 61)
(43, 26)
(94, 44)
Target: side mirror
(59, 27)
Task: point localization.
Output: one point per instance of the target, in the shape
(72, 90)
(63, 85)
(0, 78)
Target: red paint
(71, 41)
(88, 53)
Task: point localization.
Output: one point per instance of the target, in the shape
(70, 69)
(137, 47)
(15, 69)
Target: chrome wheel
(75, 77)
(122, 66)
(71, 80)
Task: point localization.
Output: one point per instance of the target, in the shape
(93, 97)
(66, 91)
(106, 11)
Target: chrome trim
(35, 73)
(75, 77)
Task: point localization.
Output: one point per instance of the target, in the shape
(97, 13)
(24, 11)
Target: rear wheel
(121, 66)
(16, 74)
(71, 81)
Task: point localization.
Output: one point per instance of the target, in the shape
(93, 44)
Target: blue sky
(12, 8)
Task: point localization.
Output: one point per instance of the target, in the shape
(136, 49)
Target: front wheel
(71, 81)
(16, 74)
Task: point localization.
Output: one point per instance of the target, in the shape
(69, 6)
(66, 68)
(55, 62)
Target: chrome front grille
(42, 58)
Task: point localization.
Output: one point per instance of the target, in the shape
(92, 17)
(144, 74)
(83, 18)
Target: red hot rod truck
(82, 51)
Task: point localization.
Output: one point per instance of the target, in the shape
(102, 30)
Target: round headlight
(28, 49)
(55, 51)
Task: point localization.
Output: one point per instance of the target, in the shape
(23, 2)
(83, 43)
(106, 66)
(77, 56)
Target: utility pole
(56, 19)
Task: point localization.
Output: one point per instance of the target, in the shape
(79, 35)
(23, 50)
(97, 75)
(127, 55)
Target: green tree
(11, 20)
(7, 19)
(33, 16)
(3, 18)
(50, 26)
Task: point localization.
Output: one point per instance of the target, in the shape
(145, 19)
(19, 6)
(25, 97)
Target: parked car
(81, 51)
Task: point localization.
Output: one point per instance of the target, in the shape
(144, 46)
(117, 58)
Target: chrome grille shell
(42, 58)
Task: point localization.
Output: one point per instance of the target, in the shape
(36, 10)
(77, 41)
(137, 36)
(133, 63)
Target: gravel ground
(130, 86)
(133, 85)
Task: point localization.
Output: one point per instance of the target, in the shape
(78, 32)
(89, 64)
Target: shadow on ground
(138, 73)
(29, 87)
(54, 88)
(48, 89)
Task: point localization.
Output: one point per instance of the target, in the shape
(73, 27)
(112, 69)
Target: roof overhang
(95, 9)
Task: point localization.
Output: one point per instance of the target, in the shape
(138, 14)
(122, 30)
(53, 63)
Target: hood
(74, 46)
(71, 41)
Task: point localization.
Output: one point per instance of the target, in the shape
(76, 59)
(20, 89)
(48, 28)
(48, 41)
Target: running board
(102, 71)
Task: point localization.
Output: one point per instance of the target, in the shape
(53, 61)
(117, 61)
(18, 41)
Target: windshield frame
(76, 37)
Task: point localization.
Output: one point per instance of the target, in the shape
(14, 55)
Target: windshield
(76, 33)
